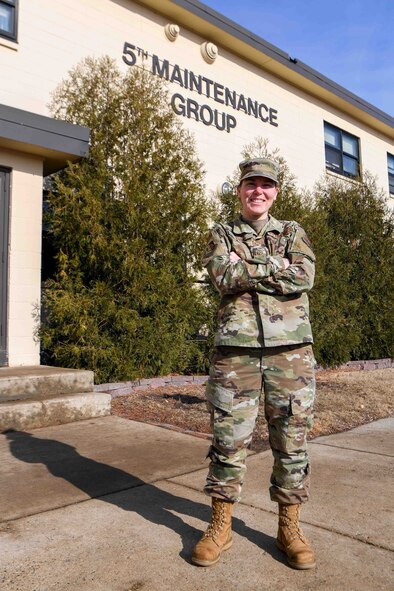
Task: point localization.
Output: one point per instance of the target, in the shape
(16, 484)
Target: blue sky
(349, 41)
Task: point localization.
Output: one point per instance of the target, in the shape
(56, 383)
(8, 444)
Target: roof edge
(56, 142)
(294, 67)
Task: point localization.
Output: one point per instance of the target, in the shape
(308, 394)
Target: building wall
(55, 36)
(24, 256)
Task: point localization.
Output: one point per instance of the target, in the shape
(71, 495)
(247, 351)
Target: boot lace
(217, 521)
(293, 528)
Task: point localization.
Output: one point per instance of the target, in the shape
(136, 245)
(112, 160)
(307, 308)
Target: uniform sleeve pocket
(218, 396)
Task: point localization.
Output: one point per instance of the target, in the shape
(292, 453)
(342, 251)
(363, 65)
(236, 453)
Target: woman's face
(257, 194)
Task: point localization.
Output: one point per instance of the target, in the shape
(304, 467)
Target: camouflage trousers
(238, 377)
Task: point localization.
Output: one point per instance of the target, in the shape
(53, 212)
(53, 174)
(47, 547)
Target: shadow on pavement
(99, 480)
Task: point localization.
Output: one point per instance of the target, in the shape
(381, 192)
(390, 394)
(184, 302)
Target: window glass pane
(390, 162)
(333, 159)
(350, 166)
(350, 145)
(6, 20)
(332, 136)
(391, 183)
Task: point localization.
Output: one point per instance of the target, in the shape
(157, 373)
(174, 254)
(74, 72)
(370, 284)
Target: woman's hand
(234, 257)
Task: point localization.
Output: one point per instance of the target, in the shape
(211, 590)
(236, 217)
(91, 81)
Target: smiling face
(257, 194)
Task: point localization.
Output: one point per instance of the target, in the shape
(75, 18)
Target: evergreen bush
(126, 226)
(352, 233)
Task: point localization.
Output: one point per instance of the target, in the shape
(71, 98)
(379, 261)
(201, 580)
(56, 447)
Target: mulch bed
(345, 399)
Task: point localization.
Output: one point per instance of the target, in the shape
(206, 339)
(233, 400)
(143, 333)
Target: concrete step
(34, 413)
(20, 383)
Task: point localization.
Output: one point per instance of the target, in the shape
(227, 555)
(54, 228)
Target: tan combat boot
(291, 539)
(218, 536)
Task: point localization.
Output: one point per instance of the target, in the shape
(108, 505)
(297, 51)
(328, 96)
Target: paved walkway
(115, 505)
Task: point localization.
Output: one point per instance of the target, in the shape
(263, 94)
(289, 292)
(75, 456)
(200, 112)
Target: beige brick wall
(24, 256)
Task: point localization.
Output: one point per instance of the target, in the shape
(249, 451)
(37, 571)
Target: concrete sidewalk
(113, 505)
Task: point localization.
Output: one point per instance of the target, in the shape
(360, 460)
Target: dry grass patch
(345, 399)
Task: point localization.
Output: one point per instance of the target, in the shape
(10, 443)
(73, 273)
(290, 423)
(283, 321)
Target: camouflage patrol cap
(259, 167)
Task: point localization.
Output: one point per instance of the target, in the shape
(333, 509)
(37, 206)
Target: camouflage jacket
(262, 304)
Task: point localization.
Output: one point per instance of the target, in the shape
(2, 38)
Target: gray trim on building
(218, 20)
(57, 142)
(4, 232)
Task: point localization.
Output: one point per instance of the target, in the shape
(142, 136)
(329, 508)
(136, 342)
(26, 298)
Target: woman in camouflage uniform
(262, 269)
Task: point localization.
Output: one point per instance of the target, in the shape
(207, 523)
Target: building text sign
(187, 107)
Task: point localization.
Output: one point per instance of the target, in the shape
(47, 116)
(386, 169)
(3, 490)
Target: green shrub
(352, 232)
(126, 226)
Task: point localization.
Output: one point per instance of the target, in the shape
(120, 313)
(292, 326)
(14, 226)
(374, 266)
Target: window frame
(13, 36)
(341, 153)
(390, 174)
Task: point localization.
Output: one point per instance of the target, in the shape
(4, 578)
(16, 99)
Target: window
(8, 19)
(342, 151)
(390, 167)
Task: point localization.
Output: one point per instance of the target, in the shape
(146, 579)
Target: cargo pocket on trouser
(219, 396)
(220, 404)
(233, 416)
